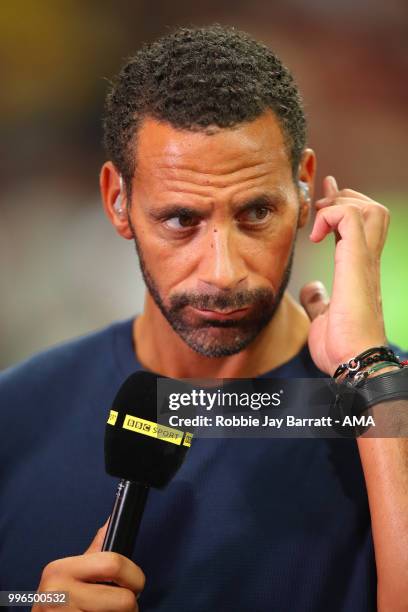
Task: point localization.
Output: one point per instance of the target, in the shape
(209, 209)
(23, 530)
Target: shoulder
(54, 369)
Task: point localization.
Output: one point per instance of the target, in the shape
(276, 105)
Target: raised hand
(352, 319)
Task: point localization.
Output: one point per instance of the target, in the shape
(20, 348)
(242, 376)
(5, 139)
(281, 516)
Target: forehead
(256, 144)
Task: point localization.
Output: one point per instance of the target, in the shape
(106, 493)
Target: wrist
(370, 362)
(371, 373)
(372, 378)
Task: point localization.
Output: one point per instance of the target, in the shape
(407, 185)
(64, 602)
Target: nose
(221, 266)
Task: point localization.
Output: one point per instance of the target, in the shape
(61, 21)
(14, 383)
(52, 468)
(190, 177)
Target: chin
(217, 342)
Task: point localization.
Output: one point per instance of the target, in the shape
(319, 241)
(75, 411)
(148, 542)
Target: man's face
(214, 218)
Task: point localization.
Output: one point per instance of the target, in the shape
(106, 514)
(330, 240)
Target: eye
(184, 221)
(256, 214)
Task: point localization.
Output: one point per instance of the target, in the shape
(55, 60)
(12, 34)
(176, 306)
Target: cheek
(268, 256)
(168, 262)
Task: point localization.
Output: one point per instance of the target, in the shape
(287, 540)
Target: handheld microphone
(141, 453)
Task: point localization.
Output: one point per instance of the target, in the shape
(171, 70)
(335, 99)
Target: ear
(109, 182)
(307, 174)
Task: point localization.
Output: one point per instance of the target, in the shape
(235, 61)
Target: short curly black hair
(196, 78)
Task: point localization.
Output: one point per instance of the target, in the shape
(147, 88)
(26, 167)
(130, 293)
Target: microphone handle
(126, 517)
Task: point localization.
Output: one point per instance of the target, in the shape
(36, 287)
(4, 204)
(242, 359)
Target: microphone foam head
(137, 448)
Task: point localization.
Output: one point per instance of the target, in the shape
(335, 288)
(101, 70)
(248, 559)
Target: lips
(218, 314)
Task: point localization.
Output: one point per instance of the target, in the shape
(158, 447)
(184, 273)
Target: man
(210, 175)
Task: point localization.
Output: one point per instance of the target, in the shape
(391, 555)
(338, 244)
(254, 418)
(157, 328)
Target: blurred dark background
(64, 271)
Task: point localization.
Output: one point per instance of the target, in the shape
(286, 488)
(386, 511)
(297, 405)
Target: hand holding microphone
(142, 454)
(79, 577)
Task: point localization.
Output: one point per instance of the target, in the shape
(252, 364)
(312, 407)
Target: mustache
(222, 301)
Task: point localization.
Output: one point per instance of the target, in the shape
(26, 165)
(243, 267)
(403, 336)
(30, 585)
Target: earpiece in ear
(117, 205)
(304, 188)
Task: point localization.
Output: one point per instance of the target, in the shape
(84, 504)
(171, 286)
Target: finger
(330, 187)
(113, 567)
(351, 193)
(343, 200)
(330, 190)
(375, 218)
(97, 542)
(314, 299)
(347, 193)
(347, 220)
(99, 598)
(101, 567)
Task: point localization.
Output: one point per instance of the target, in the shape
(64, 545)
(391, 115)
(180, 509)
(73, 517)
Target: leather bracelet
(370, 391)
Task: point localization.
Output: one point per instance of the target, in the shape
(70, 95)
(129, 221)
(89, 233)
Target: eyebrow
(178, 210)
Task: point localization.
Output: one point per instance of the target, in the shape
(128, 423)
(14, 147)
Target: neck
(160, 349)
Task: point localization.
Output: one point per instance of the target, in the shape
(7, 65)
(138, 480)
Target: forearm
(346, 337)
(385, 464)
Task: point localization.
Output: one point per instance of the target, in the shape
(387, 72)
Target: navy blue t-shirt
(252, 525)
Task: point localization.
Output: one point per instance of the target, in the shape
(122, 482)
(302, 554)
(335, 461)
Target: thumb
(314, 299)
(96, 544)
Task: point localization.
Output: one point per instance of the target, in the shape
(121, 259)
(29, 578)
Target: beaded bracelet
(379, 366)
(366, 358)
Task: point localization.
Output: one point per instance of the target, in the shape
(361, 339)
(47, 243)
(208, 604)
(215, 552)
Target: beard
(214, 337)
